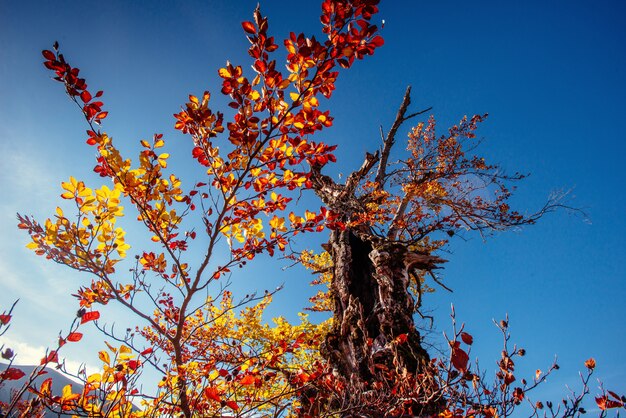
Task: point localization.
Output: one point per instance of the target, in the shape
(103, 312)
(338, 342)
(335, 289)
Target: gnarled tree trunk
(372, 309)
(373, 342)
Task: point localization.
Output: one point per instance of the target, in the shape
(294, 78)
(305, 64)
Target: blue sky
(552, 76)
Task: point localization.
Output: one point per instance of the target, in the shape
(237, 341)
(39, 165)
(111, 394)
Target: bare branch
(354, 178)
(389, 140)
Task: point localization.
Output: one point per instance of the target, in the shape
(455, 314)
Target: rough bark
(372, 308)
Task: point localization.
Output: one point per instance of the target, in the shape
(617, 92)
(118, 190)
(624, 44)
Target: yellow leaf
(278, 223)
(104, 356)
(294, 96)
(125, 350)
(84, 191)
(254, 95)
(159, 143)
(67, 395)
(94, 378)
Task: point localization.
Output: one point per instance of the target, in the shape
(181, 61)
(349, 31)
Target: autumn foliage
(215, 354)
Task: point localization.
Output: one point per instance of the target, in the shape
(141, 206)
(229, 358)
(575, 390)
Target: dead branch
(391, 135)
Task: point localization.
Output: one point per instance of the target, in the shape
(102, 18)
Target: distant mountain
(59, 381)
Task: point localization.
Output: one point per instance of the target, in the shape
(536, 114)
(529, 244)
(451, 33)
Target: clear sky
(552, 76)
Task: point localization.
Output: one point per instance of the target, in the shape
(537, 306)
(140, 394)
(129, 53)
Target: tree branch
(389, 140)
(356, 176)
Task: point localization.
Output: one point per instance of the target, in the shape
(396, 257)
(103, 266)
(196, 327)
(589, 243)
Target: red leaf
(401, 339)
(89, 316)
(260, 66)
(232, 405)
(378, 41)
(518, 395)
(213, 394)
(75, 337)
(4, 319)
(85, 96)
(52, 357)
(459, 359)
(509, 378)
(12, 374)
(49, 55)
(467, 339)
(146, 352)
(248, 27)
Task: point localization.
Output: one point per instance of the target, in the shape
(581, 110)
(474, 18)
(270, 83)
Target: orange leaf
(213, 394)
(605, 403)
(46, 387)
(74, 337)
(248, 27)
(247, 380)
(89, 316)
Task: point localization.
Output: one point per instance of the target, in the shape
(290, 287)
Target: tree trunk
(373, 330)
(372, 308)
(373, 345)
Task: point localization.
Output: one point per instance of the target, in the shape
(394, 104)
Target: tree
(387, 222)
